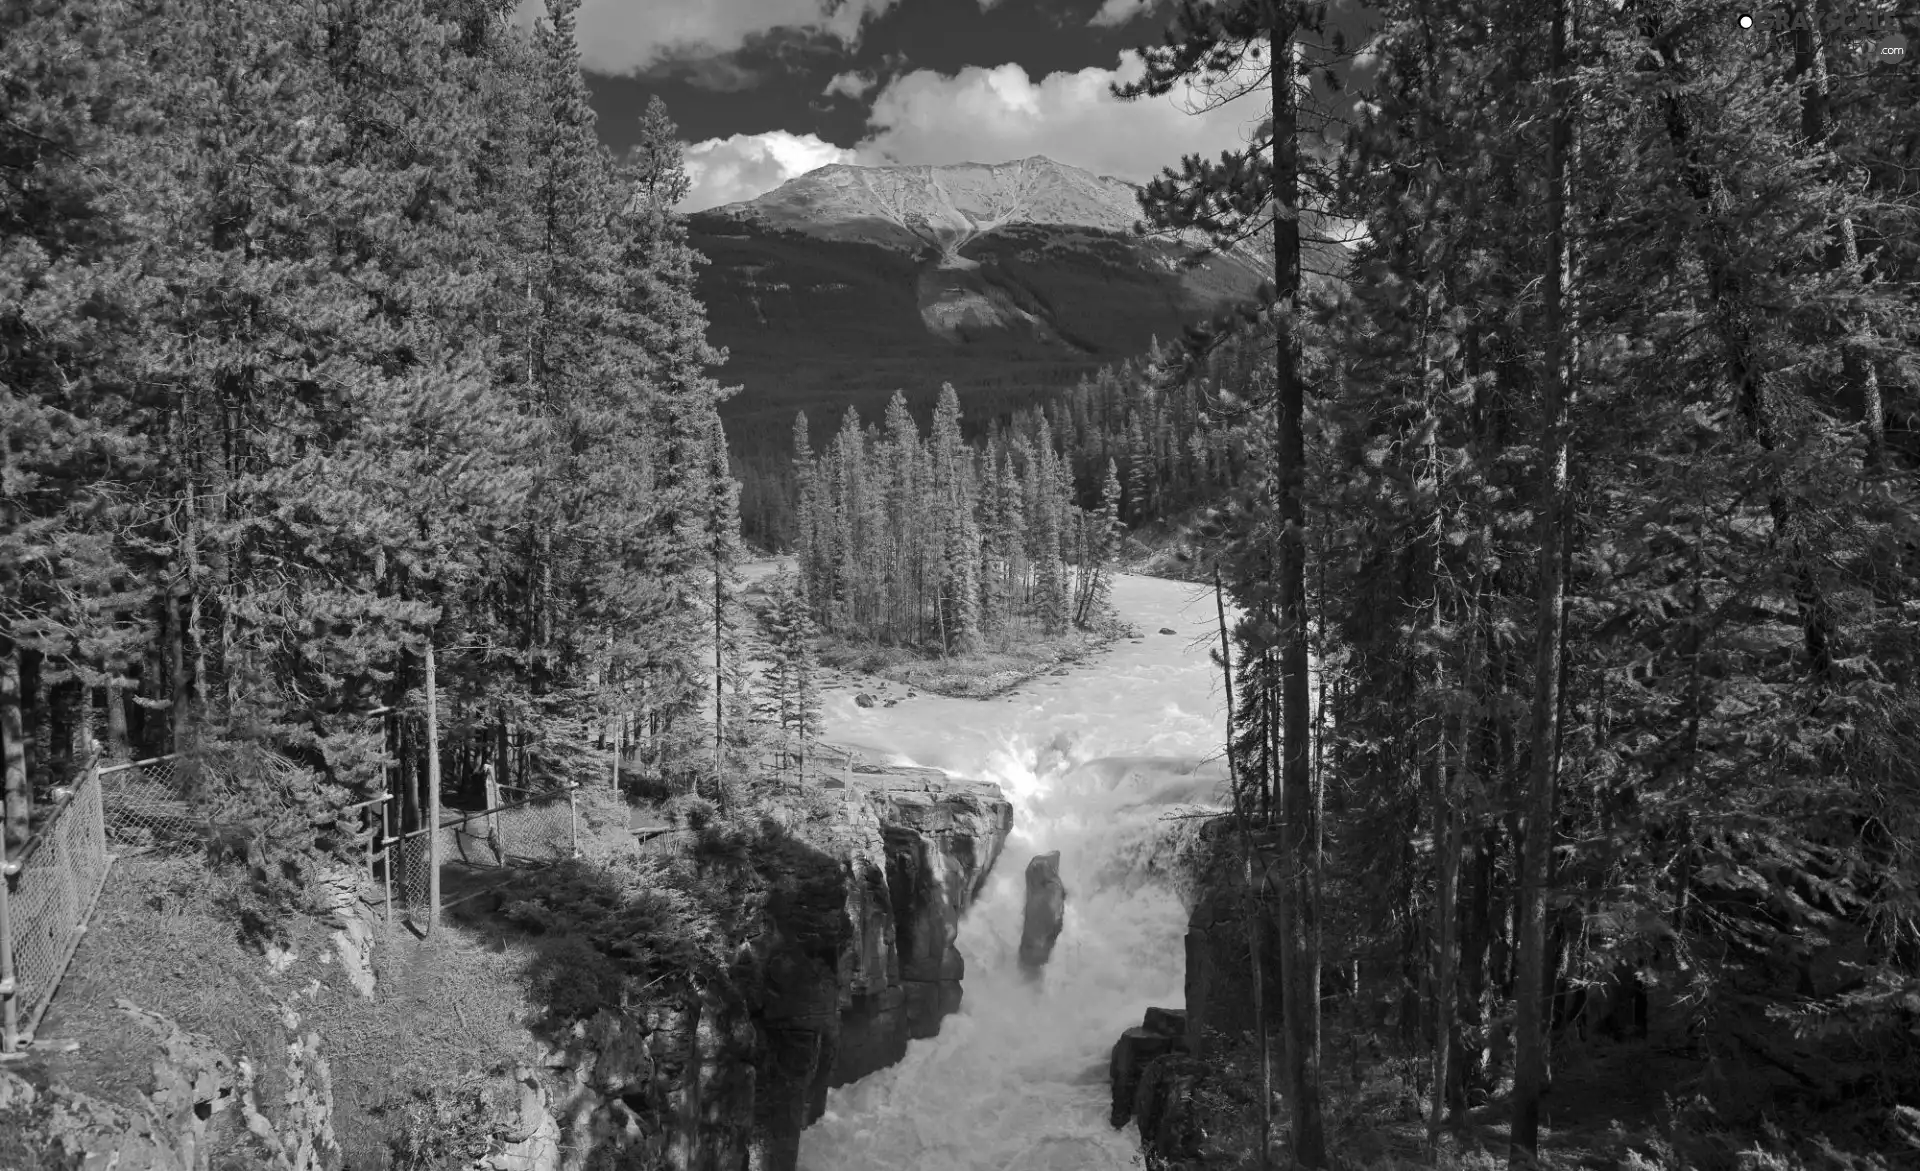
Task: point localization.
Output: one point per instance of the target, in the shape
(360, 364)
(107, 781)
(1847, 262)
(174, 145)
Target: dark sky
(922, 81)
(783, 75)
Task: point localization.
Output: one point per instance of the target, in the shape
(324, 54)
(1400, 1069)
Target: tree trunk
(1810, 63)
(119, 739)
(1256, 906)
(1446, 839)
(1530, 1058)
(13, 747)
(433, 796)
(1467, 1069)
(1300, 860)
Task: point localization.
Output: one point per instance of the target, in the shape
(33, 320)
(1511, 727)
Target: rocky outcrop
(1156, 1067)
(849, 961)
(1044, 914)
(916, 847)
(1163, 1107)
(202, 1100)
(1163, 1032)
(673, 1087)
(1219, 980)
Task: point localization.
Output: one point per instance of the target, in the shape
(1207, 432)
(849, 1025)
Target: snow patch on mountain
(940, 208)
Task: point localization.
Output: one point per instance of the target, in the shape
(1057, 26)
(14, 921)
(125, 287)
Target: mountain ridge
(943, 207)
(1009, 280)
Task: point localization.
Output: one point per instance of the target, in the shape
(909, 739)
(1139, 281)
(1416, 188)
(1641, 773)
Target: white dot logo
(1746, 21)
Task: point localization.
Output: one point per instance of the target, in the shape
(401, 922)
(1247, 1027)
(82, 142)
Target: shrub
(573, 979)
(436, 1126)
(693, 812)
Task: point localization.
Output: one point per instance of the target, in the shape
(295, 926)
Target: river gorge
(1098, 764)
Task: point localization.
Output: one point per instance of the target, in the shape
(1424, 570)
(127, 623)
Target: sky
(764, 90)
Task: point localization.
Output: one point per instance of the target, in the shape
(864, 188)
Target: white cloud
(630, 36)
(727, 170)
(1114, 13)
(986, 115)
(850, 84)
(990, 115)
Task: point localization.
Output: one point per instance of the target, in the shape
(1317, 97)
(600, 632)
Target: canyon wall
(850, 971)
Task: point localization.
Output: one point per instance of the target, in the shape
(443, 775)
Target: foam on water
(1095, 765)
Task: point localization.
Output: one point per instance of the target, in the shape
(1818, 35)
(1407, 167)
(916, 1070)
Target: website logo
(1874, 36)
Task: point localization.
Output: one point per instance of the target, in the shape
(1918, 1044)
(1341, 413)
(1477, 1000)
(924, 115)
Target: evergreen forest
(1567, 543)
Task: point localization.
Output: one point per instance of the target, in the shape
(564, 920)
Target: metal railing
(48, 893)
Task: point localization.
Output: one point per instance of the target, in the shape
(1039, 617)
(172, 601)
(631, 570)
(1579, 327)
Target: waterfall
(1108, 766)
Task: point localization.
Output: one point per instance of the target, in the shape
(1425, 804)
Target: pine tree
(1105, 546)
(1258, 190)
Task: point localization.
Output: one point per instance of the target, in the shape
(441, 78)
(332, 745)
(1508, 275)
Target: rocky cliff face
(917, 847)
(1156, 1066)
(852, 969)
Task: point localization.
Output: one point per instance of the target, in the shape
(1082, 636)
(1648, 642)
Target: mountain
(1006, 279)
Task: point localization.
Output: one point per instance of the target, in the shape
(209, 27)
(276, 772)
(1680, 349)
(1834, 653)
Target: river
(1099, 764)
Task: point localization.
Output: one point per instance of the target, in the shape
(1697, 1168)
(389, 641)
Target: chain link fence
(524, 828)
(50, 890)
(144, 805)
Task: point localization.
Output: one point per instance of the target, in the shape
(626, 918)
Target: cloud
(727, 170)
(633, 36)
(721, 73)
(990, 115)
(985, 115)
(850, 84)
(1114, 13)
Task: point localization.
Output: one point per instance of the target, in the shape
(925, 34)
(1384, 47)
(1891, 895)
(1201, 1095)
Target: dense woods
(927, 541)
(1602, 525)
(332, 337)
(1172, 454)
(332, 334)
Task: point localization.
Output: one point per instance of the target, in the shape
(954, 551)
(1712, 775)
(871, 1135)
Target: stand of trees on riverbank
(929, 541)
(331, 333)
(1595, 489)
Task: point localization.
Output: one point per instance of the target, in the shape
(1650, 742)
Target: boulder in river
(1167, 630)
(1046, 910)
(864, 700)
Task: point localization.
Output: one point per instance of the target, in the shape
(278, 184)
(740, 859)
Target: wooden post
(433, 798)
(619, 730)
(492, 780)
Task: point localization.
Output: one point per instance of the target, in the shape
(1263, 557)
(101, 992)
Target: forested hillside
(1593, 493)
(333, 337)
(1566, 548)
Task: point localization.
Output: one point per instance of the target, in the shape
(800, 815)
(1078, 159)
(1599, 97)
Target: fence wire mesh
(61, 873)
(524, 828)
(145, 805)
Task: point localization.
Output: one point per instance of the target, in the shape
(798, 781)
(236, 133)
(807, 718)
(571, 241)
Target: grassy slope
(166, 937)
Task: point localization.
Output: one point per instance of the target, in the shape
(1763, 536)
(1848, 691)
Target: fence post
(9, 989)
(386, 863)
(433, 797)
(619, 729)
(573, 821)
(493, 812)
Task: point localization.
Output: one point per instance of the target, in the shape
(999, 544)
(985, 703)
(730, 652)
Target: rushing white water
(1094, 763)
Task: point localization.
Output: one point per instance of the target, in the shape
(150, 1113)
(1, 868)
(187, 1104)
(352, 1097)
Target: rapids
(1098, 765)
